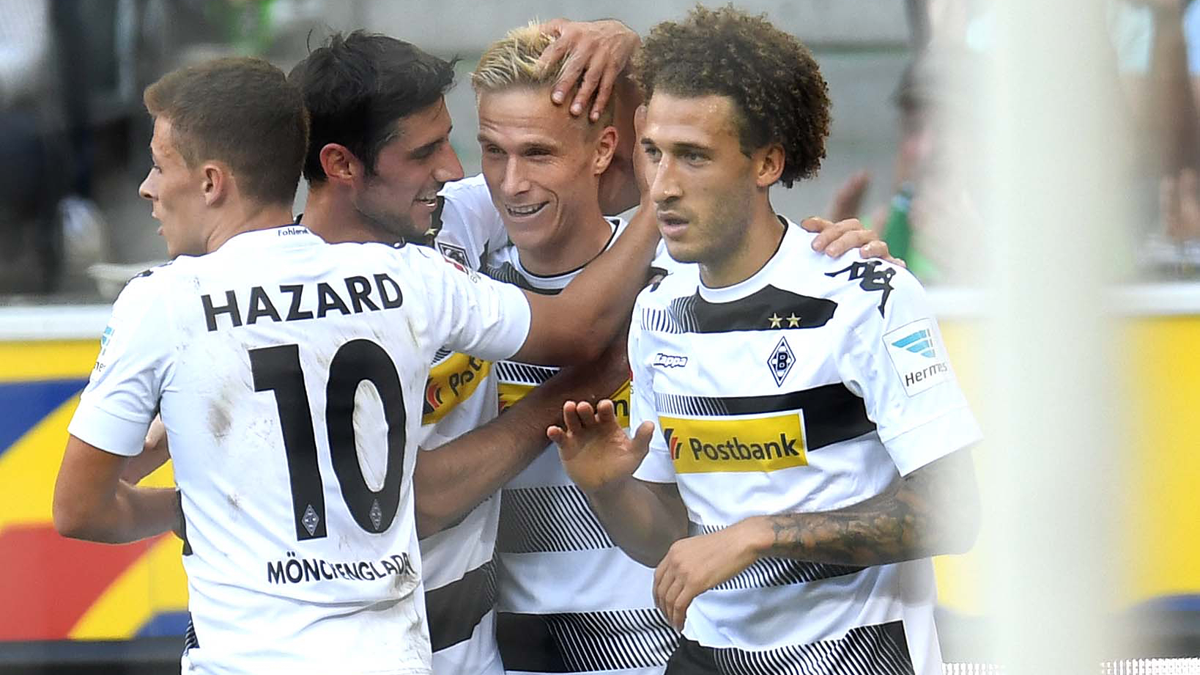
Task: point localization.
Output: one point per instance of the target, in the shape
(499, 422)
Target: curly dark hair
(772, 78)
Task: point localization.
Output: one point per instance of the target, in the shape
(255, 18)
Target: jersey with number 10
(290, 376)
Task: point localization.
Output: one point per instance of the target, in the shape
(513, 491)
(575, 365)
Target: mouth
(671, 224)
(159, 231)
(524, 211)
(428, 201)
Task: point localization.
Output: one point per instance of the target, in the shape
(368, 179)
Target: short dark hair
(241, 111)
(776, 85)
(356, 86)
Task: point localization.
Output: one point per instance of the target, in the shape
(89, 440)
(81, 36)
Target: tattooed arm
(933, 510)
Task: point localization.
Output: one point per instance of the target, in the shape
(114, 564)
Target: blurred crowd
(71, 75)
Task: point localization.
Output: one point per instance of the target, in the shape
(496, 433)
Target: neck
(336, 220)
(581, 241)
(763, 233)
(243, 216)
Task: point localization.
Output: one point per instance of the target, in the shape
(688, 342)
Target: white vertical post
(1054, 210)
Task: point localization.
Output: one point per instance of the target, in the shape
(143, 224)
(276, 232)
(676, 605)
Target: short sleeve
(469, 312)
(895, 359)
(657, 466)
(470, 222)
(126, 385)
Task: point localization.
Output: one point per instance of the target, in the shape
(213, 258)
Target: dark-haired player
(802, 447)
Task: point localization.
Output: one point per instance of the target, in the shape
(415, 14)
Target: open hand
(594, 448)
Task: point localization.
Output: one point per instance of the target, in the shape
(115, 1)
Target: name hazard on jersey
(296, 302)
(736, 444)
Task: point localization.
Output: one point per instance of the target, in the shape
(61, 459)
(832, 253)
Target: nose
(664, 184)
(449, 167)
(514, 182)
(144, 190)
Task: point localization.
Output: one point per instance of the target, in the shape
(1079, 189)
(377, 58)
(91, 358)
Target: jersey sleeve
(894, 358)
(127, 382)
(657, 466)
(469, 312)
(470, 221)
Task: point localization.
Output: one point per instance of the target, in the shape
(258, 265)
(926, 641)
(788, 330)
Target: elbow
(429, 521)
(70, 520)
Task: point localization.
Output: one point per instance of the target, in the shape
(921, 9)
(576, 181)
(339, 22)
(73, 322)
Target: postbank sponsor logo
(451, 382)
(511, 392)
(736, 444)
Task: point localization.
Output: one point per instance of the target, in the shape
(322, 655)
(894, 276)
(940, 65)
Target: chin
(681, 253)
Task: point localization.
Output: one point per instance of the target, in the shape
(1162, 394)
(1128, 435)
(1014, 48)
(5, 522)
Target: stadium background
(66, 606)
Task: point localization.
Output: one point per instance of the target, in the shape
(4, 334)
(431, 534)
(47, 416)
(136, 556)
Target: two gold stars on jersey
(777, 321)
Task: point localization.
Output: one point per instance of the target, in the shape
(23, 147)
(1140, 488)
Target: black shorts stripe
(832, 413)
(457, 608)
(878, 650)
(585, 641)
(548, 519)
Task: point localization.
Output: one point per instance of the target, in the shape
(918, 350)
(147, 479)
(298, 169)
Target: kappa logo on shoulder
(670, 360)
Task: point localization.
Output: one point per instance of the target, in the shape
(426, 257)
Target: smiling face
(542, 168)
(176, 195)
(401, 195)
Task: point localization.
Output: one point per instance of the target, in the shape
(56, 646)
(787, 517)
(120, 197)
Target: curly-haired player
(801, 445)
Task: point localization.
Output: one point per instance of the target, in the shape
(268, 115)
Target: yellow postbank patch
(736, 444)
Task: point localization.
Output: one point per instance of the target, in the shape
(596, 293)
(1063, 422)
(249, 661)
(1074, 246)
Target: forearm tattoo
(931, 511)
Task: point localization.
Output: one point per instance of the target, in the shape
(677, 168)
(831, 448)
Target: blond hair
(512, 62)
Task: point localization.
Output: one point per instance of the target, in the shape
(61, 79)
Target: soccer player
(375, 178)
(569, 599)
(289, 374)
(801, 445)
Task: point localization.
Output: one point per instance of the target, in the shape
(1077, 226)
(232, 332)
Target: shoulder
(872, 284)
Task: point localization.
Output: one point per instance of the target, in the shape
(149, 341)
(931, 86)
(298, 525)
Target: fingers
(827, 232)
(593, 72)
(573, 67)
(879, 249)
(666, 596)
(642, 437)
(608, 80)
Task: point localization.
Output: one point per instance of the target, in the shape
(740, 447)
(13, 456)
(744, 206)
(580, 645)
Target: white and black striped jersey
(290, 375)
(570, 601)
(460, 577)
(812, 385)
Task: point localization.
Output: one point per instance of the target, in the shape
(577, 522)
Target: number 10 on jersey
(277, 369)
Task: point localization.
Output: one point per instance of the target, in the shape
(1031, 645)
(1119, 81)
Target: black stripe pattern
(832, 413)
(585, 641)
(770, 308)
(456, 608)
(522, 373)
(768, 572)
(548, 519)
(879, 650)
